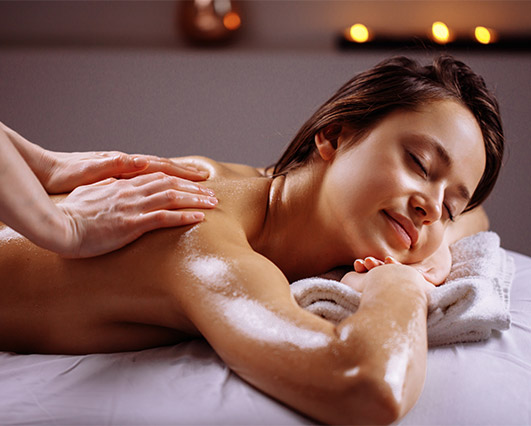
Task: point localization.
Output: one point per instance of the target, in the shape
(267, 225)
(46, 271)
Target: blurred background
(234, 80)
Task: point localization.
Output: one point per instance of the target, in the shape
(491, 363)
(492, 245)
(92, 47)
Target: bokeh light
(232, 21)
(359, 33)
(483, 35)
(440, 32)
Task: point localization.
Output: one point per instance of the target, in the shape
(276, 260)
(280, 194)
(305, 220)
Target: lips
(405, 229)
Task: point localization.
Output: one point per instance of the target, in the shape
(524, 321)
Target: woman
(380, 170)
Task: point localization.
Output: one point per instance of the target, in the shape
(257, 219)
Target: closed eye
(424, 171)
(417, 161)
(450, 214)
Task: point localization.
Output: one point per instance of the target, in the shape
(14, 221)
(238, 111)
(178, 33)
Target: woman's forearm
(368, 369)
(386, 343)
(391, 325)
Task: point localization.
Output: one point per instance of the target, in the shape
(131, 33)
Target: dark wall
(240, 104)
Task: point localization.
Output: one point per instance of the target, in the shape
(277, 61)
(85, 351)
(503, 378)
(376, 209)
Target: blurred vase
(209, 22)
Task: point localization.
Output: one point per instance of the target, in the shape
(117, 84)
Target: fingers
(166, 219)
(156, 182)
(71, 170)
(103, 182)
(102, 165)
(112, 213)
(364, 265)
(152, 164)
(391, 261)
(172, 199)
(359, 265)
(119, 164)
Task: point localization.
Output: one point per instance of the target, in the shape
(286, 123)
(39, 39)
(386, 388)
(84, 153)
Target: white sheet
(479, 383)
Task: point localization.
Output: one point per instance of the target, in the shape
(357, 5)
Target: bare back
(132, 298)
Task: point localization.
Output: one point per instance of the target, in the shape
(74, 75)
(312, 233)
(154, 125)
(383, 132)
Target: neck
(298, 235)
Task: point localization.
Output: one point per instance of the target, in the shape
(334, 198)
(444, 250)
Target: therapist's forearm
(36, 157)
(24, 204)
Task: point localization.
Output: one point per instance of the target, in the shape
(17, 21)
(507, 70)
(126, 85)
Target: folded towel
(472, 302)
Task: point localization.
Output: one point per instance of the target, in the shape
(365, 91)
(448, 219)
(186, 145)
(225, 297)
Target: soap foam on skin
(7, 235)
(395, 374)
(209, 269)
(249, 316)
(255, 320)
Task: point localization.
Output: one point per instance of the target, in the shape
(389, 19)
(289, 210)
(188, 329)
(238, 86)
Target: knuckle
(125, 189)
(120, 159)
(182, 184)
(170, 181)
(172, 195)
(160, 176)
(127, 222)
(174, 181)
(159, 218)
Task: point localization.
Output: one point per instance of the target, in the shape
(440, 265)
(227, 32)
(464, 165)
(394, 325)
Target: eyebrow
(444, 156)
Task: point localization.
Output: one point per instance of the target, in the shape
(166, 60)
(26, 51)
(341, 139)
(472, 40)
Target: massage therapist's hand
(96, 218)
(61, 172)
(109, 214)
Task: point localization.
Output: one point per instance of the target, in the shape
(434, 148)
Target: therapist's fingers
(165, 165)
(107, 215)
(70, 170)
(156, 182)
(165, 219)
(172, 199)
(103, 182)
(121, 165)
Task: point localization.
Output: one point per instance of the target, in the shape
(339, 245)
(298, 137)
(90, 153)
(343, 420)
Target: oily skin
(225, 280)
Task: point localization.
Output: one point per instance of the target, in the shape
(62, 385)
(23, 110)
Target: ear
(327, 141)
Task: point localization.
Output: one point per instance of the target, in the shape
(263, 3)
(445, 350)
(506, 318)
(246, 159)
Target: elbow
(381, 402)
(388, 409)
(365, 400)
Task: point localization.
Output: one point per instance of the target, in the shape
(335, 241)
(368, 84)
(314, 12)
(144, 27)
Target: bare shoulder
(221, 277)
(218, 169)
(218, 257)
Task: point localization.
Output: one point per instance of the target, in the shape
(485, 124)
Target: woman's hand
(359, 279)
(435, 268)
(61, 172)
(109, 214)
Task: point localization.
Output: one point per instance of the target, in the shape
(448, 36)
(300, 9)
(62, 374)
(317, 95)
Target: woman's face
(397, 189)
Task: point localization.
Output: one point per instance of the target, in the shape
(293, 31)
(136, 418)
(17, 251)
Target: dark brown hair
(402, 83)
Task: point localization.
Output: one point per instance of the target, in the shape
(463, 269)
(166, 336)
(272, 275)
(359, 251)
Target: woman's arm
(368, 369)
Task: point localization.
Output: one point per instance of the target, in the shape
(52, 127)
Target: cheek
(358, 186)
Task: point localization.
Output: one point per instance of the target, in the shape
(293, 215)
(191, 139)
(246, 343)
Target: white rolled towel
(472, 302)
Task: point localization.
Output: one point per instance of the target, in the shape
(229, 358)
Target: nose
(427, 207)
